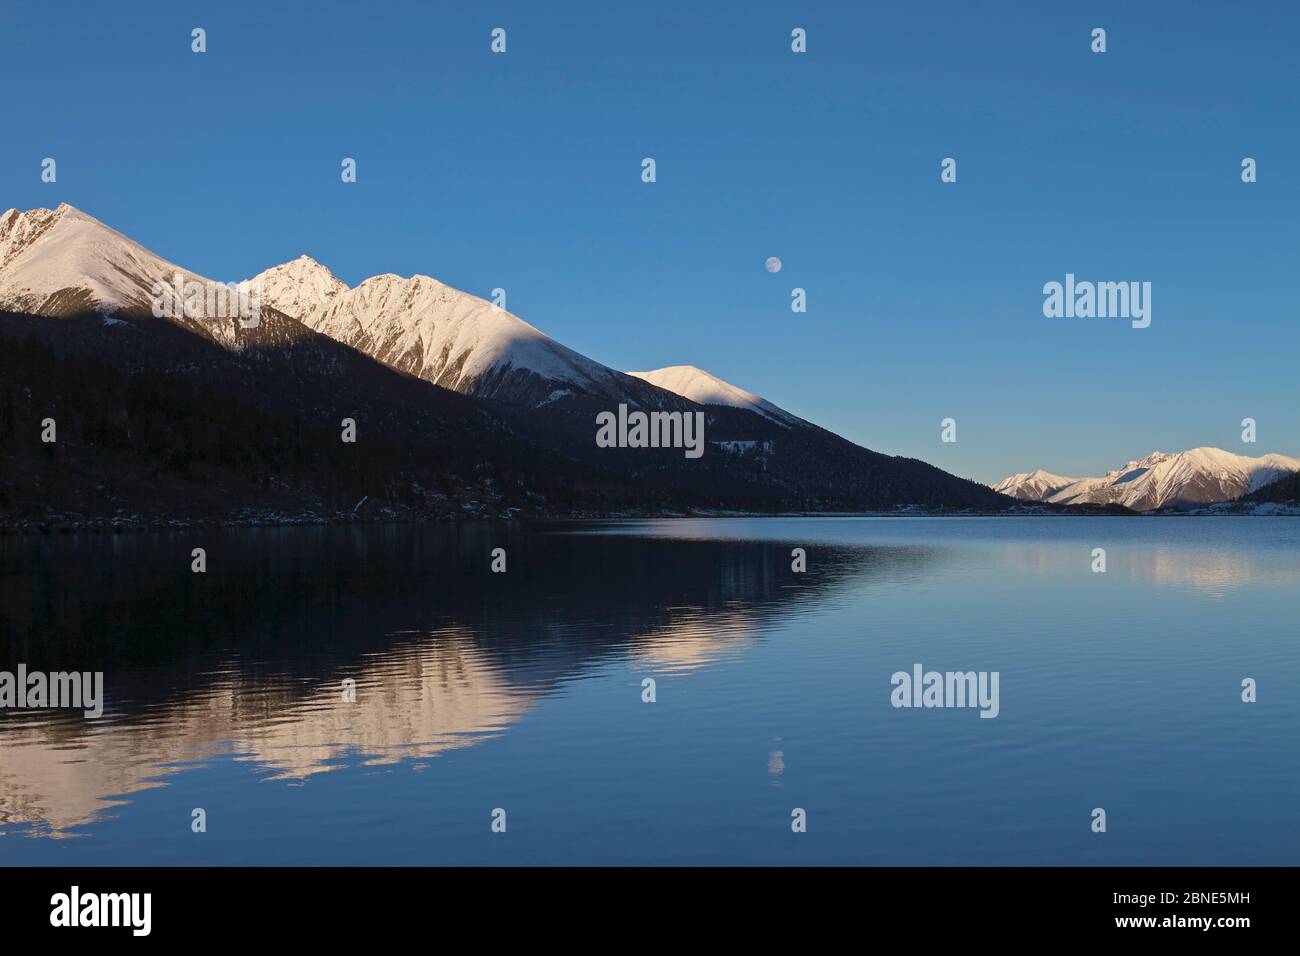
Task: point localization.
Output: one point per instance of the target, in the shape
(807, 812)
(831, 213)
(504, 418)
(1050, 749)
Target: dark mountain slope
(1285, 490)
(155, 421)
(768, 465)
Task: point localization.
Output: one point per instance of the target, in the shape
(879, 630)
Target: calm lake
(524, 690)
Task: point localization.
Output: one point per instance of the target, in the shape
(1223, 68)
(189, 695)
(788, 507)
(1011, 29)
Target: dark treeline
(153, 440)
(1284, 489)
(155, 423)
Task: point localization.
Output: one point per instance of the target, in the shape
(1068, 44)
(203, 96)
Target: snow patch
(554, 396)
(705, 388)
(59, 261)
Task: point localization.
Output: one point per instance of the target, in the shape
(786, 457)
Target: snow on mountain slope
(705, 388)
(1033, 485)
(62, 262)
(1197, 476)
(59, 262)
(440, 334)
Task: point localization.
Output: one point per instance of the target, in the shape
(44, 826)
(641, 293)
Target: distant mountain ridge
(1161, 479)
(442, 335)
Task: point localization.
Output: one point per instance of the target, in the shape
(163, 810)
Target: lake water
(523, 691)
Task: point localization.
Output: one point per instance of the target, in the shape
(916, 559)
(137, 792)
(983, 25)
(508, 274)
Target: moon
(773, 264)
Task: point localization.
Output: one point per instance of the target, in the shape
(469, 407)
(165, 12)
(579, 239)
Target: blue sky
(522, 171)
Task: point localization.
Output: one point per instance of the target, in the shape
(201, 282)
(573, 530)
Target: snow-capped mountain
(512, 398)
(1033, 485)
(59, 262)
(63, 262)
(705, 388)
(1162, 479)
(442, 335)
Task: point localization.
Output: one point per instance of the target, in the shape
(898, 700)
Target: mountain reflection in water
(250, 657)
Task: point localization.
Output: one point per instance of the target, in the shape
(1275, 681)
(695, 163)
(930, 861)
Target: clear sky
(523, 171)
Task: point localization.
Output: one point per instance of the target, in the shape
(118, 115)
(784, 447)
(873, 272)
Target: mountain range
(464, 407)
(1160, 480)
(460, 407)
(442, 335)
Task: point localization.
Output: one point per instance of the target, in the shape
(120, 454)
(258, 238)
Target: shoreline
(136, 524)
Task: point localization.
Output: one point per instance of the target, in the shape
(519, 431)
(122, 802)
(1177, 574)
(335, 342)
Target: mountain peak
(1032, 485)
(705, 388)
(1141, 464)
(304, 265)
(63, 261)
(60, 212)
(298, 286)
